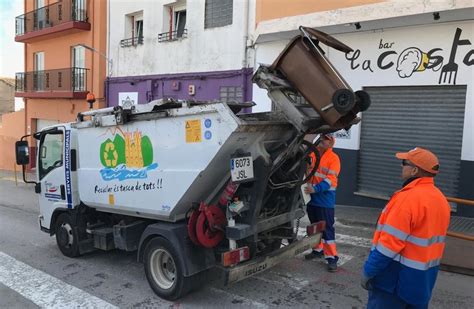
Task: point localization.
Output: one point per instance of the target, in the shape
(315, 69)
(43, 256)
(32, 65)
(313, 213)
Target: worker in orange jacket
(408, 244)
(322, 188)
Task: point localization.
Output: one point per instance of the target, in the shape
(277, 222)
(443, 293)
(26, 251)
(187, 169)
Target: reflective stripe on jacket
(325, 180)
(408, 243)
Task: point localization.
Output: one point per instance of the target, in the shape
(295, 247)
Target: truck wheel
(66, 236)
(163, 269)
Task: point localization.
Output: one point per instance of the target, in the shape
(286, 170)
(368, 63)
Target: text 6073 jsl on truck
(193, 186)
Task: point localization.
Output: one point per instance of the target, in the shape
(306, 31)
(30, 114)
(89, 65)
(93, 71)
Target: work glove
(309, 189)
(365, 282)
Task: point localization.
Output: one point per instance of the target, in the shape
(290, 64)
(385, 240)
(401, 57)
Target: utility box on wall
(176, 85)
(191, 90)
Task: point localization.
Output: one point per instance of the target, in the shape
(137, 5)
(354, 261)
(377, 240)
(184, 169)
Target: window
(174, 22)
(79, 10)
(218, 13)
(179, 22)
(78, 62)
(138, 28)
(133, 30)
(51, 153)
(39, 4)
(231, 94)
(38, 74)
(39, 15)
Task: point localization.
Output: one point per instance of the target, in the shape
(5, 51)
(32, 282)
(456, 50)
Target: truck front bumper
(260, 264)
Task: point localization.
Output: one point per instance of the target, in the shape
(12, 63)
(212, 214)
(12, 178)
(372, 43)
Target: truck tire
(66, 236)
(163, 269)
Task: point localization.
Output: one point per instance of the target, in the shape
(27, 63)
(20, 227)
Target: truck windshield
(51, 153)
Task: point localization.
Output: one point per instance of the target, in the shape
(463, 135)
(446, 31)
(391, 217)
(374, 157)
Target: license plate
(241, 169)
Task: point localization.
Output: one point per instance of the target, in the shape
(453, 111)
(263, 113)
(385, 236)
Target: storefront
(420, 79)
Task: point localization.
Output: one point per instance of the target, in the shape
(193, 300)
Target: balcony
(131, 42)
(172, 35)
(68, 83)
(63, 17)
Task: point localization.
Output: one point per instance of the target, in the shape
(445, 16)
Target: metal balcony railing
(131, 41)
(67, 80)
(172, 35)
(51, 15)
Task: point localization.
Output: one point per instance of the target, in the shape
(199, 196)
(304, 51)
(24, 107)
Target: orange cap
(422, 158)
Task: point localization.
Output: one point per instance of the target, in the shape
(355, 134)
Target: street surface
(33, 272)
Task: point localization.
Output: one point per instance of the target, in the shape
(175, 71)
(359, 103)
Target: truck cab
(56, 172)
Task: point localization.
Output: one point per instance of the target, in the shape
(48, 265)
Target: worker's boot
(332, 265)
(313, 255)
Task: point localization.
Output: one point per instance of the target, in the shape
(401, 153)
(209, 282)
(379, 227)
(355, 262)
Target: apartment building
(65, 46)
(179, 49)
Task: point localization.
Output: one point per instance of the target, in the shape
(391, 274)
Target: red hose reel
(206, 225)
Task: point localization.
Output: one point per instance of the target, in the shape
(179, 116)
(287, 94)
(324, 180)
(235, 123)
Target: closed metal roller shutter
(401, 118)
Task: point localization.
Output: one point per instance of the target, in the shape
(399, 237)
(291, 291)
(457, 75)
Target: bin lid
(327, 39)
(320, 36)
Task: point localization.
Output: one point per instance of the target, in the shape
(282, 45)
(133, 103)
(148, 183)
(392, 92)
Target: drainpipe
(246, 31)
(109, 67)
(244, 60)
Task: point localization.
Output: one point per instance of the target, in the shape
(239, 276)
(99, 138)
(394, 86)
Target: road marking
(43, 289)
(353, 240)
(254, 303)
(345, 239)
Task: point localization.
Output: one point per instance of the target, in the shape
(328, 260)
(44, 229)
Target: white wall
(424, 38)
(214, 49)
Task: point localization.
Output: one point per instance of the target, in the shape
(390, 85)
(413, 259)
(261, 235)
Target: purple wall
(153, 87)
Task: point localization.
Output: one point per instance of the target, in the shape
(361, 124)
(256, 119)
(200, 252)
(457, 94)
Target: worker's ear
(414, 171)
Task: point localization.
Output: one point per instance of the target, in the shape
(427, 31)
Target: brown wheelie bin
(304, 65)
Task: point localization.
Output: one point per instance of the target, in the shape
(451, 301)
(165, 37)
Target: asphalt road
(33, 273)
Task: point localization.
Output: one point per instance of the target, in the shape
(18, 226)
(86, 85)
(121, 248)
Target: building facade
(179, 49)
(7, 95)
(65, 45)
(416, 60)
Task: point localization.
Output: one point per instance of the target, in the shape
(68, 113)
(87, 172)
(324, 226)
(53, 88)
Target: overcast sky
(11, 53)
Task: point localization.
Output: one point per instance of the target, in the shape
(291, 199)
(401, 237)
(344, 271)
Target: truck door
(54, 170)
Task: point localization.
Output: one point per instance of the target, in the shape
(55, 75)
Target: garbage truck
(195, 186)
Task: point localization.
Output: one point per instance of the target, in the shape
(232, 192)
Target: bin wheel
(343, 100)
(164, 270)
(67, 238)
(363, 100)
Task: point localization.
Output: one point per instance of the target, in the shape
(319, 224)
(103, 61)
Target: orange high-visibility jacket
(409, 241)
(325, 180)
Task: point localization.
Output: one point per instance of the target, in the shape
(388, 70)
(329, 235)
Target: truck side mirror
(22, 153)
